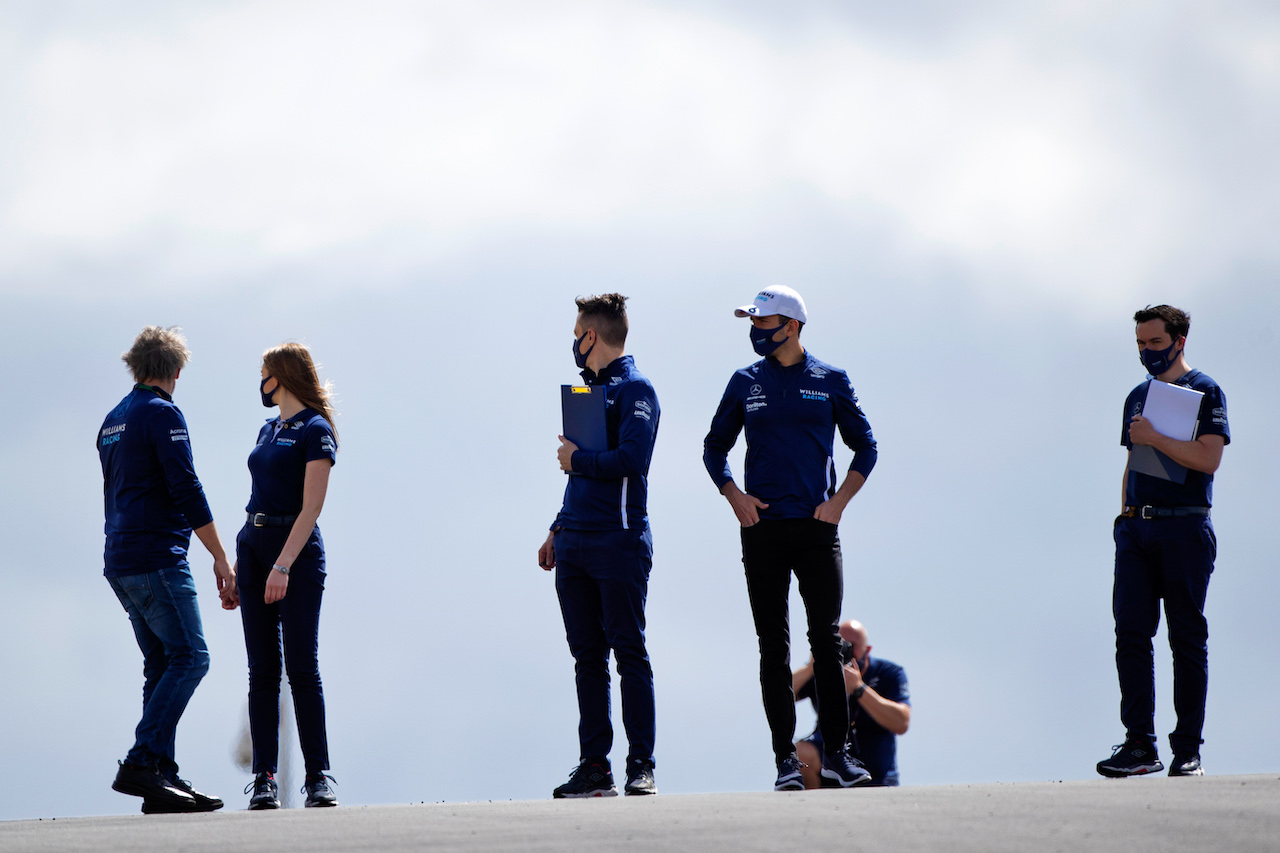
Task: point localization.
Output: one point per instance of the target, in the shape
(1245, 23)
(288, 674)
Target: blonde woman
(281, 569)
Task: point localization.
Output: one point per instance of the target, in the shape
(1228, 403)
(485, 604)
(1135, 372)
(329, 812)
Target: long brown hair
(291, 364)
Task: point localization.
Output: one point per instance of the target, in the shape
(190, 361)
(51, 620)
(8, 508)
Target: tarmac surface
(1212, 813)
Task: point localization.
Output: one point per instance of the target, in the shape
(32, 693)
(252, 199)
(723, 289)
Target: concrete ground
(1213, 813)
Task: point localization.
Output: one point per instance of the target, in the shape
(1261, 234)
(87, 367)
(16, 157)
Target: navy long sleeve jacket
(790, 415)
(609, 489)
(151, 496)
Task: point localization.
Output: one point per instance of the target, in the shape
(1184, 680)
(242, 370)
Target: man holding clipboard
(601, 549)
(1165, 544)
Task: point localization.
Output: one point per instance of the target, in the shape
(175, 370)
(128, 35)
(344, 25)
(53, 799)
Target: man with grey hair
(153, 500)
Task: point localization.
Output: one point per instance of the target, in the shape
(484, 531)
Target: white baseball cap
(778, 299)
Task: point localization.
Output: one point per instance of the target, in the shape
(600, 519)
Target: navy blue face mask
(762, 340)
(580, 358)
(266, 398)
(1158, 361)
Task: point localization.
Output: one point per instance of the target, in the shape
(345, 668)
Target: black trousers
(771, 551)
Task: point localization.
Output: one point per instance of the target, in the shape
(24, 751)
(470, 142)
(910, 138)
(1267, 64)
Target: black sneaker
(640, 778)
(319, 794)
(789, 778)
(265, 793)
(1185, 765)
(1131, 758)
(843, 769)
(591, 778)
(146, 781)
(203, 802)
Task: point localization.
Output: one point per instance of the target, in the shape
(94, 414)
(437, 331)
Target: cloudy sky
(972, 201)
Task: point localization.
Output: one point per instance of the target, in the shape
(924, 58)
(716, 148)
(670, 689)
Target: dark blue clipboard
(583, 409)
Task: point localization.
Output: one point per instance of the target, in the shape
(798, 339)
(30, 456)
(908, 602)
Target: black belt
(1150, 512)
(261, 519)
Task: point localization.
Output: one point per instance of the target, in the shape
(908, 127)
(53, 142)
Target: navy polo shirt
(278, 463)
(1146, 490)
(874, 745)
(610, 488)
(150, 493)
(790, 416)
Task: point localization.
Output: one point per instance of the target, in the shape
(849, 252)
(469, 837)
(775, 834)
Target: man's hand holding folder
(565, 453)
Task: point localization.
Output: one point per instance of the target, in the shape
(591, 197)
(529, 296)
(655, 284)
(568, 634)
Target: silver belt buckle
(259, 519)
(1142, 513)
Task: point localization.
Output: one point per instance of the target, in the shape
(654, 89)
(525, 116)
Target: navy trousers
(297, 618)
(602, 580)
(772, 550)
(1169, 559)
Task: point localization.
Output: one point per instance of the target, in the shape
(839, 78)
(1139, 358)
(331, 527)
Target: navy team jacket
(609, 489)
(150, 493)
(790, 415)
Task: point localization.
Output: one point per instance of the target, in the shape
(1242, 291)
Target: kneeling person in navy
(879, 710)
(601, 550)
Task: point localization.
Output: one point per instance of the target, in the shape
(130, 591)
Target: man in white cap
(790, 405)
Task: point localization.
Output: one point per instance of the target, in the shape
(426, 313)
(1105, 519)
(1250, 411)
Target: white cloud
(232, 139)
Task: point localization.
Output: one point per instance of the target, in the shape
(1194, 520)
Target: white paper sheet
(1172, 409)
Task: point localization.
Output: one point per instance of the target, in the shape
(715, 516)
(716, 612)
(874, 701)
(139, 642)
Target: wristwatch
(284, 570)
(857, 694)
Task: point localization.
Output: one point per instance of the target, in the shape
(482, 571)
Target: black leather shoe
(319, 794)
(148, 783)
(265, 793)
(203, 802)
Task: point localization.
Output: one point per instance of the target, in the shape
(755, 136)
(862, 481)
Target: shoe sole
(855, 783)
(1115, 773)
(590, 795)
(149, 807)
(640, 792)
(262, 807)
(790, 785)
(1199, 771)
(322, 804)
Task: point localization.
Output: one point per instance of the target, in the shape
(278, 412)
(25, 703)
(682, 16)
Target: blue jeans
(297, 618)
(166, 622)
(1169, 559)
(602, 580)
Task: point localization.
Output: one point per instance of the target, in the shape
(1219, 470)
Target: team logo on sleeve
(643, 410)
(326, 444)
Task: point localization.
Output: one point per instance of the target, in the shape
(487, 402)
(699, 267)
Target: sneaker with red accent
(1131, 758)
(591, 778)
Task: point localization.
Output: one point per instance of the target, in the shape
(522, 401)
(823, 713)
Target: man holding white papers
(601, 550)
(1165, 544)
